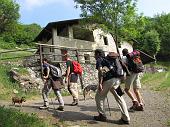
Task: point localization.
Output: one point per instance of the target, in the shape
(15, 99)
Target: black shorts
(73, 78)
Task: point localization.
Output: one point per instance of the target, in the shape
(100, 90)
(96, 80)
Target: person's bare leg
(138, 96)
(140, 100)
(130, 94)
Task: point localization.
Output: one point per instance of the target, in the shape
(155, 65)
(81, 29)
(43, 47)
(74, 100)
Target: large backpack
(134, 62)
(55, 71)
(114, 64)
(77, 68)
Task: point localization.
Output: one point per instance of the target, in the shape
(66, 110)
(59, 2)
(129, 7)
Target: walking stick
(108, 105)
(52, 103)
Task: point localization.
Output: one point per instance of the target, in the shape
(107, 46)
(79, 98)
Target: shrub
(15, 118)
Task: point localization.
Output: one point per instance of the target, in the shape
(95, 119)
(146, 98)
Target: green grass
(14, 56)
(168, 123)
(158, 81)
(15, 118)
(7, 84)
(10, 45)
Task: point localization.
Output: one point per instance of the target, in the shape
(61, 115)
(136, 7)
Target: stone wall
(89, 71)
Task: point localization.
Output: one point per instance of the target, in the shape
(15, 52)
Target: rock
(15, 91)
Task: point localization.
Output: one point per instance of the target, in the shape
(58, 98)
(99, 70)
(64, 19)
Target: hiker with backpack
(109, 71)
(135, 66)
(52, 76)
(73, 71)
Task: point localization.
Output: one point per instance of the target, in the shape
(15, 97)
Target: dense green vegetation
(14, 118)
(12, 33)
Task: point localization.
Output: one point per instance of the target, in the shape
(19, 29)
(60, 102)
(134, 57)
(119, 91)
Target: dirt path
(156, 113)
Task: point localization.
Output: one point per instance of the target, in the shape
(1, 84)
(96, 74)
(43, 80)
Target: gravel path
(156, 113)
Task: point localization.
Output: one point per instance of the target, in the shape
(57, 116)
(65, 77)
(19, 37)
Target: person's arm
(48, 72)
(68, 64)
(67, 74)
(100, 76)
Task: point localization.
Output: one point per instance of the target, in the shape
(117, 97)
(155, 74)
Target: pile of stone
(27, 82)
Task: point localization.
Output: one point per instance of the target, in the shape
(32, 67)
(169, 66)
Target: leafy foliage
(155, 37)
(115, 16)
(12, 32)
(24, 34)
(151, 42)
(162, 25)
(9, 14)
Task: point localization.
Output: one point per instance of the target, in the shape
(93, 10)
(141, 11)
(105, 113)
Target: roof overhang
(47, 31)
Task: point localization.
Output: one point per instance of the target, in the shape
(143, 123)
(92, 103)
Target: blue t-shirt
(100, 62)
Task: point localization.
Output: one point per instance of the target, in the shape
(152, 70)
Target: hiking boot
(122, 121)
(134, 106)
(44, 107)
(60, 108)
(100, 118)
(74, 103)
(140, 108)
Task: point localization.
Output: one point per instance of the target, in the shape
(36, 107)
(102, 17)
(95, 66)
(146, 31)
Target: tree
(24, 34)
(9, 14)
(117, 17)
(162, 25)
(151, 42)
(27, 33)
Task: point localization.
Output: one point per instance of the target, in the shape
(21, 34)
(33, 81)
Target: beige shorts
(133, 79)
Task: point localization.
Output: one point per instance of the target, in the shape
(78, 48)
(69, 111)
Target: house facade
(69, 34)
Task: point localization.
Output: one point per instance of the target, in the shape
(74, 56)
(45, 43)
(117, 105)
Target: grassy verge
(158, 81)
(14, 118)
(168, 124)
(14, 56)
(7, 84)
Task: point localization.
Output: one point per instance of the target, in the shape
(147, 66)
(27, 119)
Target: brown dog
(18, 100)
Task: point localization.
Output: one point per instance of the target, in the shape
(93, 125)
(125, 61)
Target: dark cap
(125, 51)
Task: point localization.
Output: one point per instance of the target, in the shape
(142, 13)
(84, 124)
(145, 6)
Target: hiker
(51, 82)
(71, 78)
(106, 84)
(133, 79)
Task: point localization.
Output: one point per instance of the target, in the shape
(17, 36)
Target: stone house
(68, 33)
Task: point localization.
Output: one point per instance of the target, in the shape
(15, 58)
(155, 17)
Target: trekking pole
(108, 105)
(52, 103)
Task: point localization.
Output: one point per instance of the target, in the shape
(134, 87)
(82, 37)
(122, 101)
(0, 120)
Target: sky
(44, 11)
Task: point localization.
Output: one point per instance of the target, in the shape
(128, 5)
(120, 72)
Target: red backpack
(77, 68)
(134, 62)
